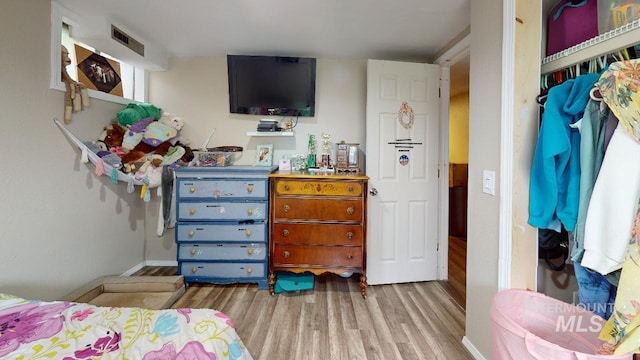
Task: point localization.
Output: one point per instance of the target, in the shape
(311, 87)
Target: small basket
(217, 156)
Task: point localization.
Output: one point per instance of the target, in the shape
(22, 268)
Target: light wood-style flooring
(333, 321)
(457, 284)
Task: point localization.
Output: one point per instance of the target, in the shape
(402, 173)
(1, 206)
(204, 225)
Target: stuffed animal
(136, 111)
(157, 133)
(76, 97)
(145, 143)
(135, 133)
(112, 135)
(172, 121)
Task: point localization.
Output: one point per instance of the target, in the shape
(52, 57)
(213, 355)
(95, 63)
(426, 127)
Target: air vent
(126, 40)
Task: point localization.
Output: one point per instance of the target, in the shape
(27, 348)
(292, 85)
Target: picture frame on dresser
(264, 155)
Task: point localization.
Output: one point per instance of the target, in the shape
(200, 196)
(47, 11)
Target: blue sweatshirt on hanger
(555, 173)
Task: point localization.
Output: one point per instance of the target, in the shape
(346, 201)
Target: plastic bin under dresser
(222, 227)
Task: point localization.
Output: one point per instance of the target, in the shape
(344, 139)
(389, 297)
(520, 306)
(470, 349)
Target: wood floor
(333, 321)
(457, 284)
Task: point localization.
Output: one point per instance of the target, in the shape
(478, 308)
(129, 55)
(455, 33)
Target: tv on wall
(272, 85)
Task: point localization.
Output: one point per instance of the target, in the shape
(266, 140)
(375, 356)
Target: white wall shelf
(616, 39)
(270, 133)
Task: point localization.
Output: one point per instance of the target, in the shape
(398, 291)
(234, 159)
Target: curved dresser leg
(272, 282)
(363, 285)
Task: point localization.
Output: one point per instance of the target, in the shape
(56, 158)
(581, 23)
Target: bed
(32, 329)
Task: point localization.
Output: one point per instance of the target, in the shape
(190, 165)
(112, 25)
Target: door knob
(373, 191)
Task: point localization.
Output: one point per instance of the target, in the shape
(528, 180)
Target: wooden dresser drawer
(317, 234)
(316, 208)
(317, 256)
(318, 187)
(222, 189)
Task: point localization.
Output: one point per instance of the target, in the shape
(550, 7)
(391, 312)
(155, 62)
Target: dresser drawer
(223, 269)
(317, 234)
(222, 252)
(317, 256)
(316, 208)
(222, 189)
(201, 231)
(222, 211)
(318, 187)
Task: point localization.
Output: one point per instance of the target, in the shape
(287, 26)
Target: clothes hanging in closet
(592, 129)
(555, 172)
(617, 189)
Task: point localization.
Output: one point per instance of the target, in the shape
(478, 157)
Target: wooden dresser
(318, 223)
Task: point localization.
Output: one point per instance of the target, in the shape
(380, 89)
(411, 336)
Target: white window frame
(59, 15)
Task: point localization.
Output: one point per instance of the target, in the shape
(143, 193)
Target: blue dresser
(222, 227)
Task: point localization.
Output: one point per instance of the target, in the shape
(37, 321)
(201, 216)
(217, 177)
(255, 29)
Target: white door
(402, 163)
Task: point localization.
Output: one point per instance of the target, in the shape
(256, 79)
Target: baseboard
(472, 349)
(133, 269)
(136, 268)
(161, 263)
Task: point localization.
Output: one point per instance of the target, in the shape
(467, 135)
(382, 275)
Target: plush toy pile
(140, 142)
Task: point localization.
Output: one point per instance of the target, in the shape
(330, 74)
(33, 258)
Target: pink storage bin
(529, 325)
(571, 22)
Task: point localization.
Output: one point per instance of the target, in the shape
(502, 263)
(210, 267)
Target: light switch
(489, 182)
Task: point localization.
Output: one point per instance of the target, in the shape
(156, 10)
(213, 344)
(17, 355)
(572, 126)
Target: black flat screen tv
(272, 85)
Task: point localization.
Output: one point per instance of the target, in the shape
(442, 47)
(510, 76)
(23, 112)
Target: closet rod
(611, 41)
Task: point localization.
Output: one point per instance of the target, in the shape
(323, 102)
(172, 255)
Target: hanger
(595, 94)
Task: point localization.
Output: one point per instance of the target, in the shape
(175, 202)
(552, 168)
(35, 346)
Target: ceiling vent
(126, 40)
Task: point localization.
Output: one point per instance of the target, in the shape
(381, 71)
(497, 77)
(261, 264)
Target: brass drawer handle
(350, 235)
(192, 189)
(285, 254)
(248, 233)
(287, 188)
(192, 211)
(193, 251)
(249, 211)
(285, 232)
(250, 251)
(249, 189)
(349, 256)
(286, 208)
(249, 270)
(350, 188)
(193, 270)
(191, 233)
(350, 210)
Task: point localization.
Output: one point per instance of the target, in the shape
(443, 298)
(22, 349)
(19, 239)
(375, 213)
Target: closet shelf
(610, 41)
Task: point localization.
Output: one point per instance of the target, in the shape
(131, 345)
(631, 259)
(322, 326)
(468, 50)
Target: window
(133, 78)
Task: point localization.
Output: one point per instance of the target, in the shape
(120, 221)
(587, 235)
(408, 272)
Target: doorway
(458, 160)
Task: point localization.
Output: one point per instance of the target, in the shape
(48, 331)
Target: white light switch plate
(489, 182)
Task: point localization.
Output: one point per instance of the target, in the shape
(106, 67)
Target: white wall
(62, 226)
(196, 89)
(484, 154)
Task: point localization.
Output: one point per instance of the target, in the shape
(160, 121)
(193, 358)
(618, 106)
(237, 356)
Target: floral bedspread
(63, 330)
